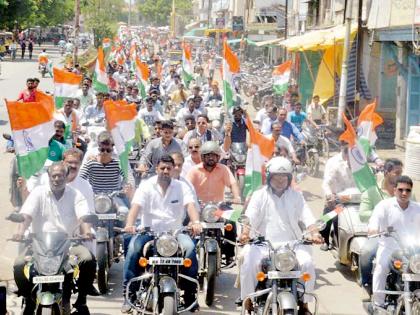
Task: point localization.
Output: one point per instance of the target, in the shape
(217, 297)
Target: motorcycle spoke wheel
(103, 267)
(169, 305)
(313, 164)
(210, 279)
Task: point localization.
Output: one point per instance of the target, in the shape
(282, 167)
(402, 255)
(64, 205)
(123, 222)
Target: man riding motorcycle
(275, 211)
(161, 202)
(403, 215)
(61, 207)
(210, 179)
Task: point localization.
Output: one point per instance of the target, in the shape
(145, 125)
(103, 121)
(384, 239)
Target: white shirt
(284, 142)
(266, 125)
(185, 112)
(337, 175)
(278, 218)
(315, 113)
(162, 212)
(85, 101)
(119, 77)
(188, 164)
(149, 117)
(63, 214)
(405, 222)
(261, 115)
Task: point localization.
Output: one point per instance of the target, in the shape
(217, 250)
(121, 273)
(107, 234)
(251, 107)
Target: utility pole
(342, 100)
(209, 13)
(173, 19)
(129, 13)
(286, 19)
(76, 30)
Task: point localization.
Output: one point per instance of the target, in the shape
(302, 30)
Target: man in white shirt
(57, 207)
(275, 212)
(282, 141)
(316, 112)
(194, 157)
(86, 97)
(337, 178)
(262, 114)
(149, 114)
(189, 110)
(96, 111)
(161, 202)
(120, 76)
(403, 215)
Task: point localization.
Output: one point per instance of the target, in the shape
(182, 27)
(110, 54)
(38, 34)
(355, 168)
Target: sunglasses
(107, 150)
(408, 190)
(194, 147)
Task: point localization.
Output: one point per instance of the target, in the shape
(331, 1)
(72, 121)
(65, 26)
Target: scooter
(352, 233)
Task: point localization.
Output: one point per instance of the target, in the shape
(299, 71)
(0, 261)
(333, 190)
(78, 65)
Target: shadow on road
(310, 196)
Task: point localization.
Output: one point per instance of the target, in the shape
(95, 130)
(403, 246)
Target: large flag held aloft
(362, 174)
(32, 127)
(231, 66)
(100, 78)
(366, 125)
(187, 65)
(281, 77)
(142, 71)
(66, 85)
(121, 118)
(259, 153)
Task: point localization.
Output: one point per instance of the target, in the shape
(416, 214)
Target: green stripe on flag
(186, 77)
(99, 86)
(232, 215)
(280, 89)
(365, 144)
(364, 178)
(142, 89)
(32, 162)
(124, 159)
(252, 183)
(59, 101)
(228, 94)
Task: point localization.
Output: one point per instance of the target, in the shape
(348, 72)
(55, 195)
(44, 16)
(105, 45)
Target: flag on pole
(332, 214)
(66, 84)
(362, 174)
(121, 118)
(366, 124)
(281, 76)
(259, 153)
(106, 45)
(100, 77)
(231, 215)
(142, 70)
(187, 65)
(230, 67)
(32, 127)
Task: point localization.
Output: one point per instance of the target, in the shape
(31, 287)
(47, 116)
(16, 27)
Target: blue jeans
(135, 252)
(367, 255)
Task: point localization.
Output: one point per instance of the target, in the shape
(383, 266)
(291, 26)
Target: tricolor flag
(232, 215)
(100, 77)
(121, 118)
(281, 76)
(66, 85)
(366, 124)
(332, 214)
(187, 65)
(362, 174)
(106, 45)
(230, 67)
(32, 127)
(259, 153)
(142, 70)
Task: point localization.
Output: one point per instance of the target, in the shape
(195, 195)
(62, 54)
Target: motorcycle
(210, 247)
(308, 153)
(158, 291)
(216, 114)
(238, 151)
(50, 265)
(403, 281)
(109, 242)
(352, 233)
(281, 284)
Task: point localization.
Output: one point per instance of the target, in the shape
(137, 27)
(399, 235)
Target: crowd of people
(184, 161)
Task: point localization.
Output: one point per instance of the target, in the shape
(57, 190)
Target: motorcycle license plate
(107, 216)
(283, 275)
(410, 277)
(48, 279)
(216, 225)
(166, 261)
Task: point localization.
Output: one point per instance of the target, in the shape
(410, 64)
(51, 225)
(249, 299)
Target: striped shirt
(103, 178)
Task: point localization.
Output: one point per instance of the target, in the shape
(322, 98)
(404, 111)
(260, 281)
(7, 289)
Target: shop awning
(269, 42)
(319, 39)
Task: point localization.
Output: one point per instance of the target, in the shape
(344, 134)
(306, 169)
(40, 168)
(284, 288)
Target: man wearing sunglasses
(194, 157)
(403, 215)
(202, 131)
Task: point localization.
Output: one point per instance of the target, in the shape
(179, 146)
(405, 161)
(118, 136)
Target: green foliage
(30, 13)
(101, 16)
(157, 12)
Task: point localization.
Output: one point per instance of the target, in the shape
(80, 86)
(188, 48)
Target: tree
(101, 16)
(157, 12)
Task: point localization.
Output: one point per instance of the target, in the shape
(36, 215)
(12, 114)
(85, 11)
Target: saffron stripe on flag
(332, 214)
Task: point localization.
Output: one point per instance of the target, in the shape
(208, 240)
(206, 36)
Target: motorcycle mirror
(15, 217)
(390, 229)
(90, 218)
(244, 219)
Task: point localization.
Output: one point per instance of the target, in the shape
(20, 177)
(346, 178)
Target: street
(337, 291)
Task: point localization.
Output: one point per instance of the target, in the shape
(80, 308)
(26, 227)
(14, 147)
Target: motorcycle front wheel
(103, 266)
(48, 310)
(211, 278)
(313, 164)
(169, 305)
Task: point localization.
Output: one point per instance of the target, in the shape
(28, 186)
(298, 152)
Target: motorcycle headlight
(415, 263)
(209, 214)
(102, 204)
(284, 260)
(167, 245)
(240, 158)
(48, 266)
